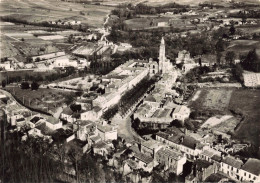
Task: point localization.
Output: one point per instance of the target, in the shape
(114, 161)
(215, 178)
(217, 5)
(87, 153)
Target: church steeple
(162, 57)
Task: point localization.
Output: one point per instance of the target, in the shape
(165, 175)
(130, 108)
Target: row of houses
(230, 166)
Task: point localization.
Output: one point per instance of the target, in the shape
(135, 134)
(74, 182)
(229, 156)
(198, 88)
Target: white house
(231, 166)
(107, 132)
(53, 123)
(67, 114)
(181, 112)
(92, 115)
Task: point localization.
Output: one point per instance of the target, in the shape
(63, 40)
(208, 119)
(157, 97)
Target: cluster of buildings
(158, 109)
(45, 62)
(60, 22)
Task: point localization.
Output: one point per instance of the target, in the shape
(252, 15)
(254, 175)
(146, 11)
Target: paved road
(125, 129)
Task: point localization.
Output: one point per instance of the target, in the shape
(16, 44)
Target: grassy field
(52, 10)
(212, 99)
(42, 99)
(224, 100)
(247, 101)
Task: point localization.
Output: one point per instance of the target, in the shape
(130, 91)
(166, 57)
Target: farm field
(52, 10)
(152, 22)
(247, 101)
(223, 100)
(162, 2)
(47, 100)
(243, 46)
(212, 99)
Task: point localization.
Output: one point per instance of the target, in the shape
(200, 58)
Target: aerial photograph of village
(135, 91)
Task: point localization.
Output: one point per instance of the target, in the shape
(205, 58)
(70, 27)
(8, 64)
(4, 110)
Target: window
(249, 176)
(245, 174)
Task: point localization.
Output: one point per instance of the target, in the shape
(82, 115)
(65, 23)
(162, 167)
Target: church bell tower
(162, 57)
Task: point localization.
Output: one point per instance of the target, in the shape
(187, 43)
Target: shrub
(34, 86)
(25, 85)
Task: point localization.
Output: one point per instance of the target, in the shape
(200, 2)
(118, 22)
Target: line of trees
(251, 61)
(129, 11)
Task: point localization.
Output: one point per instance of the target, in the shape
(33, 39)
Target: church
(164, 66)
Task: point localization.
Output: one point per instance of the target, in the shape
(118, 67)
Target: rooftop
(252, 165)
(170, 153)
(150, 98)
(189, 142)
(200, 164)
(237, 163)
(52, 120)
(152, 144)
(106, 128)
(67, 111)
(215, 177)
(35, 119)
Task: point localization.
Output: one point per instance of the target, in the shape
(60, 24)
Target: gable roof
(252, 166)
(189, 142)
(170, 153)
(150, 98)
(67, 111)
(232, 161)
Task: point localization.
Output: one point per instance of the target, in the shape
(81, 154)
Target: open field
(247, 101)
(152, 22)
(47, 100)
(239, 100)
(243, 46)
(212, 99)
(52, 10)
(162, 2)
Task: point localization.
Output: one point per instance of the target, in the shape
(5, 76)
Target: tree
(194, 114)
(37, 59)
(219, 55)
(251, 62)
(34, 86)
(3, 83)
(25, 85)
(230, 56)
(238, 72)
(232, 29)
(69, 98)
(220, 45)
(75, 107)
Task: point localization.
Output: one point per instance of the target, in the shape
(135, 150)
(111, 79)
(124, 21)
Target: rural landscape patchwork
(129, 91)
